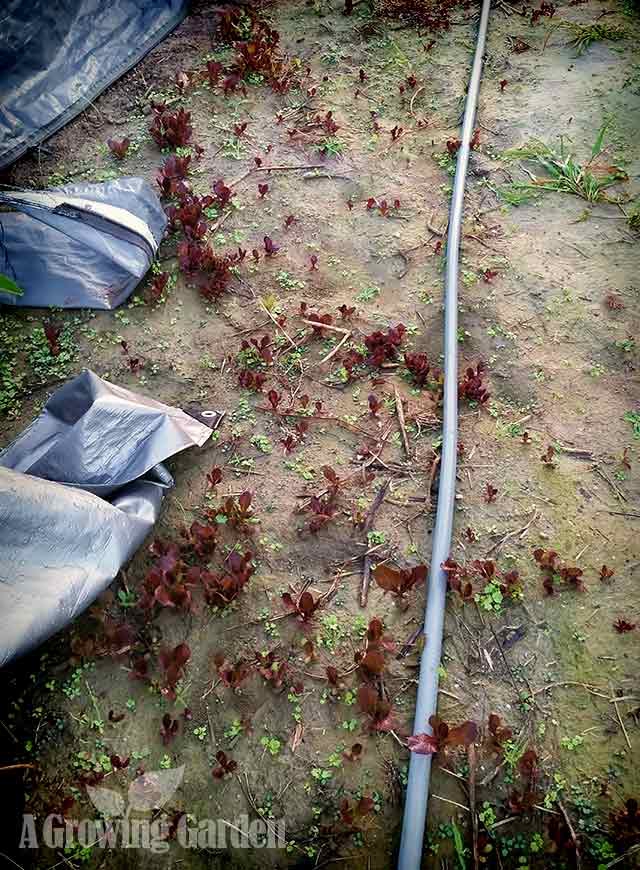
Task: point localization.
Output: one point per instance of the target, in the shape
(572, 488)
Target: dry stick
(222, 220)
(328, 326)
(413, 99)
(617, 709)
(17, 767)
(608, 480)
(366, 581)
(432, 476)
(281, 328)
(512, 534)
(256, 621)
(623, 857)
(351, 427)
(20, 867)
(250, 328)
(366, 527)
(574, 451)
(506, 663)
(253, 805)
(403, 429)
(573, 834)
(333, 352)
(406, 647)
(546, 688)
(275, 169)
(471, 756)
(435, 231)
(454, 803)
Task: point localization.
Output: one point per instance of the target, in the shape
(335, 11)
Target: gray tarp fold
(56, 56)
(80, 245)
(80, 489)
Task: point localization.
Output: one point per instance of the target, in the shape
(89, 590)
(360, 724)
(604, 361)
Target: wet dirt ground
(561, 366)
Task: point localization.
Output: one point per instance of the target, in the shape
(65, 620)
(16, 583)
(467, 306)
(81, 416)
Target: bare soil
(561, 366)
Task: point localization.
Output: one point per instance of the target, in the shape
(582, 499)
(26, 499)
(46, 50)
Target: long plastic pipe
(415, 808)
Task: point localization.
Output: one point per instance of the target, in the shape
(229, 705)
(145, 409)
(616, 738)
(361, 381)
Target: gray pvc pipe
(415, 808)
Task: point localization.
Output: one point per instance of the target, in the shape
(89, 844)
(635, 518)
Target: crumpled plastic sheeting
(56, 56)
(80, 490)
(62, 262)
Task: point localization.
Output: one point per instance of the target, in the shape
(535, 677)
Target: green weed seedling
(563, 172)
(633, 417)
(271, 744)
(584, 35)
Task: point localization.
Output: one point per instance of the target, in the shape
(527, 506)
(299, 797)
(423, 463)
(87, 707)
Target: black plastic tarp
(56, 56)
(80, 490)
(81, 245)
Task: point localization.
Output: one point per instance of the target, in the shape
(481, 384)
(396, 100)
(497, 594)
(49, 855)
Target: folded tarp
(56, 56)
(80, 490)
(81, 245)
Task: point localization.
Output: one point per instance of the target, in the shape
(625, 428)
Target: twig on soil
(546, 688)
(471, 756)
(325, 326)
(20, 867)
(366, 528)
(571, 451)
(335, 350)
(413, 99)
(313, 175)
(250, 798)
(375, 506)
(383, 444)
(255, 169)
(17, 767)
(404, 272)
(432, 476)
(504, 659)
(408, 645)
(403, 428)
(509, 535)
(614, 701)
(454, 803)
(281, 328)
(397, 739)
(623, 857)
(9, 732)
(576, 844)
(435, 231)
(212, 688)
(366, 581)
(608, 480)
(491, 776)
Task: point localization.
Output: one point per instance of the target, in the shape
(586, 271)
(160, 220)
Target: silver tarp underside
(80, 489)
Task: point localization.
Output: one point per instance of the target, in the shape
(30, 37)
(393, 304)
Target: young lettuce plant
(222, 587)
(554, 570)
(225, 766)
(170, 129)
(443, 737)
(173, 663)
(371, 660)
(232, 675)
(379, 712)
(399, 582)
(304, 606)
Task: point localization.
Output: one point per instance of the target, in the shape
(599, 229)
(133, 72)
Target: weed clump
(584, 35)
(564, 174)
